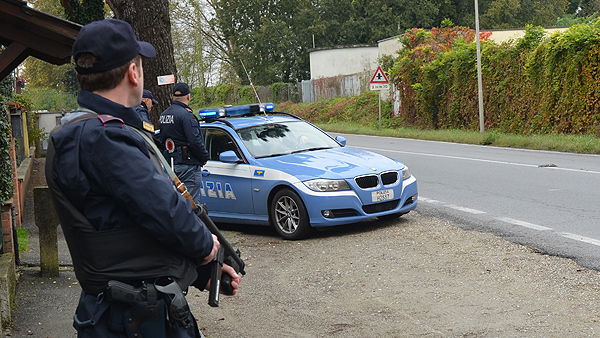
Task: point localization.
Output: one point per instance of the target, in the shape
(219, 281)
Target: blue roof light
(208, 113)
(268, 106)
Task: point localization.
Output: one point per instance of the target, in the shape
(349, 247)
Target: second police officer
(148, 101)
(182, 140)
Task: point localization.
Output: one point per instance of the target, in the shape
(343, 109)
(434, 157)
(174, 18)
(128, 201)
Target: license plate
(382, 195)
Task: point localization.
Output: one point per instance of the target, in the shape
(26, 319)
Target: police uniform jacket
(179, 124)
(104, 170)
(142, 112)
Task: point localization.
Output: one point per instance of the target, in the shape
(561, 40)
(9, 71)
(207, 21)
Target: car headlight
(405, 173)
(327, 185)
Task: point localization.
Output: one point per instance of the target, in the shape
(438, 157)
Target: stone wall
(8, 284)
(6, 211)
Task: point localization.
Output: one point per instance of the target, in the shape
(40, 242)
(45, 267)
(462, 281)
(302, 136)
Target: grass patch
(23, 239)
(585, 144)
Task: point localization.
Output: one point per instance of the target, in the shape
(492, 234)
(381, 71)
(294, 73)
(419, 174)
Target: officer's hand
(213, 252)
(235, 279)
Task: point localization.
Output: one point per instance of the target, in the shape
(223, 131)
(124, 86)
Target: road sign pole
(379, 82)
(379, 123)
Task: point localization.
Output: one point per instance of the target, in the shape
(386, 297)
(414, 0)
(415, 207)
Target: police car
(273, 168)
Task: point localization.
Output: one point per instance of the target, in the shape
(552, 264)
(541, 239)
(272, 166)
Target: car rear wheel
(390, 217)
(288, 215)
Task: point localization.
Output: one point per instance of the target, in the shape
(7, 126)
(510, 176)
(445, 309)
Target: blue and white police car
(273, 168)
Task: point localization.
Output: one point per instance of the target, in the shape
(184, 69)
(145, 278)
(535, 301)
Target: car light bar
(209, 113)
(247, 109)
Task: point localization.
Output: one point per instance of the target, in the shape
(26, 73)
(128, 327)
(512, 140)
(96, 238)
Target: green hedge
(535, 85)
(361, 109)
(6, 178)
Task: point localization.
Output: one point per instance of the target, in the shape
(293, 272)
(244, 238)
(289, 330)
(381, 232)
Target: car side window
(218, 141)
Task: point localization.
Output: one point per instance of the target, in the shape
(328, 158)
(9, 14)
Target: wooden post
(47, 221)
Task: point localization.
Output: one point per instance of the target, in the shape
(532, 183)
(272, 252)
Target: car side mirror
(229, 156)
(341, 140)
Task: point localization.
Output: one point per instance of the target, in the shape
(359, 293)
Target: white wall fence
(336, 86)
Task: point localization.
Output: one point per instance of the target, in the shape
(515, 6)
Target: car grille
(371, 181)
(390, 177)
(343, 213)
(368, 181)
(379, 207)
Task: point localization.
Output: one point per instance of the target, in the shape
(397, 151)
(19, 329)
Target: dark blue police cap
(112, 42)
(181, 89)
(146, 94)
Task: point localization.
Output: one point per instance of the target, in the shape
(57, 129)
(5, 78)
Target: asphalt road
(548, 200)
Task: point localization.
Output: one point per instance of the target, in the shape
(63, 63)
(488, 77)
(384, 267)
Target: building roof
(25, 32)
(364, 45)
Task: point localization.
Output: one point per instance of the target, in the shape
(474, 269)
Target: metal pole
(13, 211)
(479, 76)
(379, 120)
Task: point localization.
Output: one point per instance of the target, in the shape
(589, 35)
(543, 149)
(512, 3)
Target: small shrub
(489, 138)
(6, 178)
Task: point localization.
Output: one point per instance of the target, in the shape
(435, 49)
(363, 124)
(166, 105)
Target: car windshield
(278, 139)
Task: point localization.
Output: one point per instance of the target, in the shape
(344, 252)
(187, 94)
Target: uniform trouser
(191, 176)
(96, 318)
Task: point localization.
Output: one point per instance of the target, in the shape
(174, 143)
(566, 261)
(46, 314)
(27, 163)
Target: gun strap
(148, 141)
(161, 166)
(169, 171)
(200, 210)
(158, 153)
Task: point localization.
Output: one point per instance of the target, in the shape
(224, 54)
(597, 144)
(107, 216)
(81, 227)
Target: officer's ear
(135, 73)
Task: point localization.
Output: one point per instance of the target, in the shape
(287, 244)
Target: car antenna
(254, 89)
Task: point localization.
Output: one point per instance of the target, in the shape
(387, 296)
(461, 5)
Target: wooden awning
(28, 32)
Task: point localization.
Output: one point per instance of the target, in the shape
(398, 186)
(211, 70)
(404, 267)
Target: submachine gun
(226, 254)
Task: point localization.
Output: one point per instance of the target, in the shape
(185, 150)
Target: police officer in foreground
(182, 140)
(133, 259)
(148, 101)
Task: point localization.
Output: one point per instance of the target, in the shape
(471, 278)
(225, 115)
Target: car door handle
(205, 172)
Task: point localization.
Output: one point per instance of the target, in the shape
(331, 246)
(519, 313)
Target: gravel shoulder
(417, 276)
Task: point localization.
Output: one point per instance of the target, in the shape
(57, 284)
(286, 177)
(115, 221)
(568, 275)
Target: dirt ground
(418, 276)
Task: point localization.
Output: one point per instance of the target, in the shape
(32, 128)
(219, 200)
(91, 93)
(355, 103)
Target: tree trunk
(151, 22)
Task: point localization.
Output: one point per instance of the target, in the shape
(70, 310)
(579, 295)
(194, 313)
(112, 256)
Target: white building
(46, 122)
(347, 60)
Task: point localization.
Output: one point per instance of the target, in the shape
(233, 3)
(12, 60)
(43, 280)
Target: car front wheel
(288, 215)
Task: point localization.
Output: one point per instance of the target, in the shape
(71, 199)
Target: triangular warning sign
(379, 76)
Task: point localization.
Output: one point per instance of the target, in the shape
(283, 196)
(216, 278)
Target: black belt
(145, 298)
